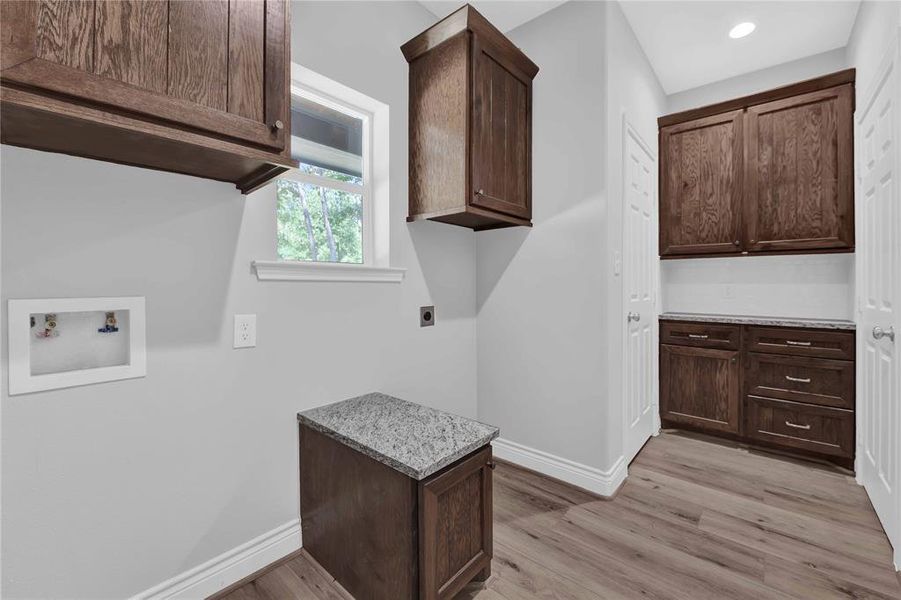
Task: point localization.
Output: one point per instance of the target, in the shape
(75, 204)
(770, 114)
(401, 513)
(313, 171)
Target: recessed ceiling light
(741, 30)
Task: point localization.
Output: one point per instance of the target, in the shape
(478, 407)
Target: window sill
(288, 270)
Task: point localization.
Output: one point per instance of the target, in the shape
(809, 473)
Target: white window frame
(310, 85)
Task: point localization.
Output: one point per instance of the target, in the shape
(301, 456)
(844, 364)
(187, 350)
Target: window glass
(318, 223)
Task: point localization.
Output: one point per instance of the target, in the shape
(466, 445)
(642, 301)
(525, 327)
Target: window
(321, 205)
(332, 211)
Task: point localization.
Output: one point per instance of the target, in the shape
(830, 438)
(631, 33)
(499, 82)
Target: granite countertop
(413, 439)
(767, 321)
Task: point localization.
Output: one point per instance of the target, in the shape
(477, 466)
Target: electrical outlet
(426, 316)
(245, 331)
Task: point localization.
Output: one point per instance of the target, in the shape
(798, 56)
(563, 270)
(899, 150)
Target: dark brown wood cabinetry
(195, 87)
(382, 534)
(470, 125)
(780, 387)
(767, 173)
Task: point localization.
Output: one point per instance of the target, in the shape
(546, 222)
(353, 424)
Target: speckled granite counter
(413, 439)
(766, 321)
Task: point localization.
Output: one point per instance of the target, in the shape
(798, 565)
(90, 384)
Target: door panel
(501, 135)
(247, 29)
(701, 186)
(65, 32)
(131, 42)
(699, 387)
(879, 286)
(800, 159)
(455, 526)
(639, 169)
(198, 52)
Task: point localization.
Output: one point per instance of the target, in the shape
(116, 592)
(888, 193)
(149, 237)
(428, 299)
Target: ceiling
(688, 45)
(503, 14)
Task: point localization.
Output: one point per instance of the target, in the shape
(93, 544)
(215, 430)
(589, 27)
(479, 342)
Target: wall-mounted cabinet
(470, 125)
(769, 173)
(198, 87)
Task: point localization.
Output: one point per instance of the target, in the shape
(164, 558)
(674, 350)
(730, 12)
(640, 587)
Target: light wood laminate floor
(696, 519)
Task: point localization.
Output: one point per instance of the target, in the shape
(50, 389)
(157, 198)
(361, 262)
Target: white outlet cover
(245, 331)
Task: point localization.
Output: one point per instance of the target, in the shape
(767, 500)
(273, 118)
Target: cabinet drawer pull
(796, 426)
(794, 343)
(798, 379)
(696, 336)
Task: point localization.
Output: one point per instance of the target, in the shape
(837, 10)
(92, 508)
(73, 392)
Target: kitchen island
(395, 497)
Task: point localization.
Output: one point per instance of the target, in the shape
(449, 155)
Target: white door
(639, 276)
(879, 282)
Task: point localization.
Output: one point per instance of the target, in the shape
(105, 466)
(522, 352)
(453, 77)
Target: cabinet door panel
(701, 186)
(501, 135)
(130, 45)
(800, 171)
(65, 32)
(455, 526)
(699, 387)
(247, 23)
(198, 52)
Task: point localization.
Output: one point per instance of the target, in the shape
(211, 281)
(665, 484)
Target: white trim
(21, 381)
(604, 483)
(295, 270)
(227, 568)
(327, 182)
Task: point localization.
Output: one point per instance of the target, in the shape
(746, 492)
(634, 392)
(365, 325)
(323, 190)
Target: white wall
(549, 334)
(541, 296)
(813, 286)
(117, 487)
(758, 81)
(633, 93)
(876, 26)
(792, 286)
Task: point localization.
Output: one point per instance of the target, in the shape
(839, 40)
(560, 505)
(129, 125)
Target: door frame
(891, 59)
(629, 130)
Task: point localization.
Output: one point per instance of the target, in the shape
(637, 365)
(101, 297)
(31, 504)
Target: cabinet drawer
(701, 335)
(802, 426)
(801, 379)
(801, 342)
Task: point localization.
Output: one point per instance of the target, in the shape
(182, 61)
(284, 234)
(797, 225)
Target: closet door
(701, 186)
(800, 166)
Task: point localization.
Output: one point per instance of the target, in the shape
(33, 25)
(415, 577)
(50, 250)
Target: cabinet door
(501, 134)
(701, 186)
(210, 65)
(699, 387)
(800, 192)
(455, 511)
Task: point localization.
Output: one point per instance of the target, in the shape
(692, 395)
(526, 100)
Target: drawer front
(801, 342)
(701, 335)
(802, 426)
(801, 379)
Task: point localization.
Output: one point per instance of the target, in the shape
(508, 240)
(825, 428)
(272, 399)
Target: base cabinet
(386, 536)
(699, 386)
(781, 387)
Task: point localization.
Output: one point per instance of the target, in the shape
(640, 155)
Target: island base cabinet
(455, 527)
(386, 536)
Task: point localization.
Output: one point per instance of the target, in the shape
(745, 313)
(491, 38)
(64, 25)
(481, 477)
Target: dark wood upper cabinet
(701, 181)
(196, 87)
(800, 170)
(470, 125)
(768, 173)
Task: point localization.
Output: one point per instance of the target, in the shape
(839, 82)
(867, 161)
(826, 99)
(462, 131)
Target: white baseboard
(604, 483)
(227, 568)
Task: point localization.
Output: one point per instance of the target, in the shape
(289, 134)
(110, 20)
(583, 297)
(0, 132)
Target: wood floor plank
(695, 520)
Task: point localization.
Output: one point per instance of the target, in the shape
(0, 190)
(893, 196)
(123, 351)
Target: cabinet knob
(278, 126)
(491, 464)
(480, 192)
(737, 243)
